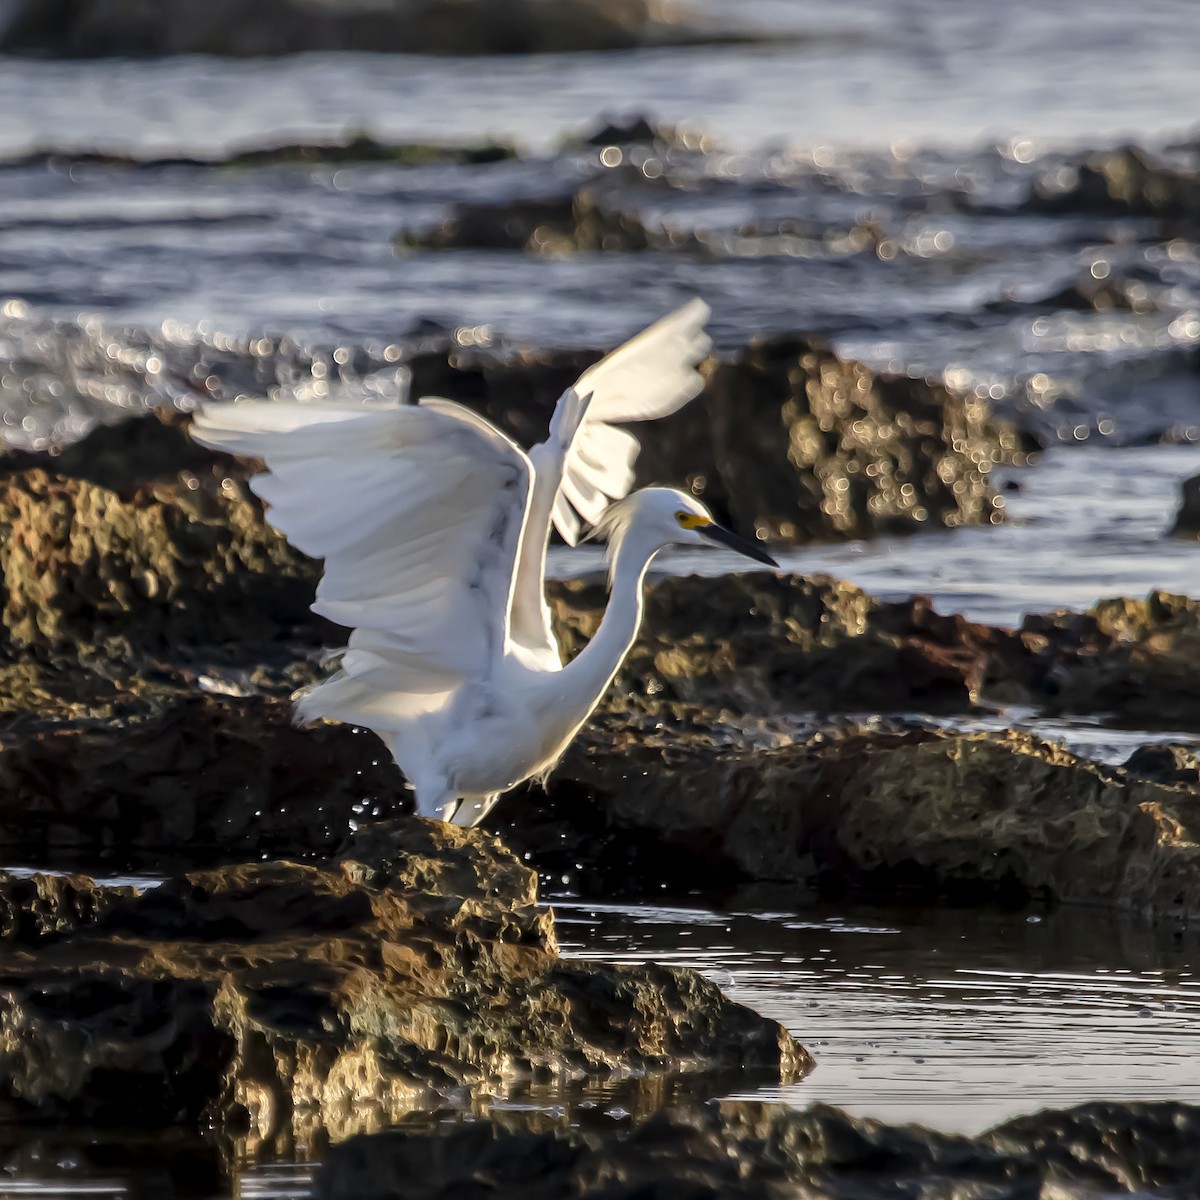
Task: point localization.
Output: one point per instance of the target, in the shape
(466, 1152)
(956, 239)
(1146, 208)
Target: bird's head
(668, 517)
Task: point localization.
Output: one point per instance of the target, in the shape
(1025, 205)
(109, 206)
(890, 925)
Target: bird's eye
(691, 520)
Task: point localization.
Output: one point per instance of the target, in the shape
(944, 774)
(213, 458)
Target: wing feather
(586, 462)
(418, 512)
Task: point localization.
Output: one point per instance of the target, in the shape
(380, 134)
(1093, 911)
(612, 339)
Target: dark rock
(1110, 294)
(580, 221)
(759, 643)
(786, 439)
(360, 148)
(181, 777)
(183, 559)
(278, 997)
(1138, 658)
(749, 1151)
(1127, 182)
(35, 908)
(1187, 520)
(919, 813)
(1170, 763)
(88, 28)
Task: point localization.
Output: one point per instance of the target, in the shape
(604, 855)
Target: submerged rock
(885, 813)
(89, 28)
(749, 1151)
(1187, 520)
(343, 995)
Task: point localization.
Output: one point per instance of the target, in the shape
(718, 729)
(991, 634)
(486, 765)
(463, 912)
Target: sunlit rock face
(749, 1151)
(87, 29)
(343, 994)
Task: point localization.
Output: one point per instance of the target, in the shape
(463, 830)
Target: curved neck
(594, 666)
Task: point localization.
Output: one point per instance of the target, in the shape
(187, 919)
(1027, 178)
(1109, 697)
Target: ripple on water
(956, 1019)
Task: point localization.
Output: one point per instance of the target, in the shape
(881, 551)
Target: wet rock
(1138, 658)
(1187, 519)
(183, 777)
(1125, 182)
(270, 994)
(176, 560)
(1171, 763)
(35, 908)
(888, 813)
(759, 643)
(750, 1151)
(88, 29)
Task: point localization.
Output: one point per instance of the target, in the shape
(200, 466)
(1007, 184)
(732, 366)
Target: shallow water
(952, 1018)
(956, 1019)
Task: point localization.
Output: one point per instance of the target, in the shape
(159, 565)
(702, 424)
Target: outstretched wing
(417, 512)
(586, 462)
(650, 376)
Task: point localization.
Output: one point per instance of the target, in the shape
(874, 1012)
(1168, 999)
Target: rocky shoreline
(153, 626)
(270, 996)
(318, 966)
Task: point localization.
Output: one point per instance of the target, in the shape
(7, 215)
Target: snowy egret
(434, 524)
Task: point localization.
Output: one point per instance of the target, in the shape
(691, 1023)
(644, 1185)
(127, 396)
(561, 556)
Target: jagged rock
(759, 643)
(186, 755)
(88, 28)
(37, 907)
(787, 437)
(748, 1151)
(346, 994)
(1187, 520)
(885, 813)
(177, 560)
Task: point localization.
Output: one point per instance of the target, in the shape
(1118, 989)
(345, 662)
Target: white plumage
(433, 526)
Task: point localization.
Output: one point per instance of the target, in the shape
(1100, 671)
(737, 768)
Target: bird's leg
(437, 801)
(472, 809)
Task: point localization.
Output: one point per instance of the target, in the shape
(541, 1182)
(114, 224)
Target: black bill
(723, 537)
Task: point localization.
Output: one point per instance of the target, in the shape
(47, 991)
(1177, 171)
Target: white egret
(434, 524)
